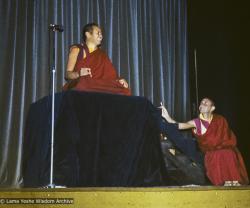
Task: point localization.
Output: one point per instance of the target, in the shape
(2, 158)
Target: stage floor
(173, 197)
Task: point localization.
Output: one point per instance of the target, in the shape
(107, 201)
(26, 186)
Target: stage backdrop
(145, 39)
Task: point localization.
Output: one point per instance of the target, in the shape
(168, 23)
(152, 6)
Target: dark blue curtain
(146, 41)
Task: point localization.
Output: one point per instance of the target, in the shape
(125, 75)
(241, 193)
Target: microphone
(55, 27)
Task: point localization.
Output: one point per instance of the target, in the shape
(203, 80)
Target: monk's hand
(123, 82)
(166, 116)
(85, 72)
(164, 112)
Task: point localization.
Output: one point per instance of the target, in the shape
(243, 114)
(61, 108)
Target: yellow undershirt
(202, 117)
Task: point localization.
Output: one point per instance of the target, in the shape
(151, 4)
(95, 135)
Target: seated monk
(223, 162)
(90, 69)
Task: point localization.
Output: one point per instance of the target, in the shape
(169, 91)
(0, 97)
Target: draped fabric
(100, 140)
(146, 41)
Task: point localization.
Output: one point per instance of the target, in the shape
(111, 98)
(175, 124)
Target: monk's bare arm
(181, 125)
(186, 125)
(70, 73)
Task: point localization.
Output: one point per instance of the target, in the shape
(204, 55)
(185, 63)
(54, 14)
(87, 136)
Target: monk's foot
(232, 183)
(236, 183)
(228, 183)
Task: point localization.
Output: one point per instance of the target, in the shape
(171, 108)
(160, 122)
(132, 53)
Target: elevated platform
(173, 197)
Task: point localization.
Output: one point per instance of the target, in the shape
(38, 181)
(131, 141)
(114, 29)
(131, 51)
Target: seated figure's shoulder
(219, 116)
(102, 52)
(75, 48)
(106, 56)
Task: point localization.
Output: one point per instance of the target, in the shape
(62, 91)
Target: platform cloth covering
(100, 140)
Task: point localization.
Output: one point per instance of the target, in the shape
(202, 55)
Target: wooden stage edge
(172, 197)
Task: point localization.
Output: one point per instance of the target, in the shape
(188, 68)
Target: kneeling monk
(223, 161)
(90, 69)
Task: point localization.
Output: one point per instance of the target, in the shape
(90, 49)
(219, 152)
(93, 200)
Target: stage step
(170, 197)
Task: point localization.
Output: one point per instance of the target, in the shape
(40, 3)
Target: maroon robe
(223, 161)
(104, 77)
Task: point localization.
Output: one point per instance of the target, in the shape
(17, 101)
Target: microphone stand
(196, 81)
(52, 32)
